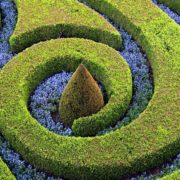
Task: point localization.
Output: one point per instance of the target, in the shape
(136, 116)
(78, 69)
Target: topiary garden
(89, 89)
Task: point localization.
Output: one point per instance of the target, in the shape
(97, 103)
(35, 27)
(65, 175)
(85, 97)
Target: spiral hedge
(146, 142)
(118, 83)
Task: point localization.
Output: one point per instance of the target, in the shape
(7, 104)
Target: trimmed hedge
(22, 74)
(69, 53)
(174, 176)
(5, 173)
(159, 37)
(81, 97)
(173, 4)
(44, 20)
(148, 141)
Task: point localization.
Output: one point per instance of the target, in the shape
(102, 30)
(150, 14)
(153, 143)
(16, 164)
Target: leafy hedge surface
(27, 69)
(43, 20)
(174, 176)
(173, 4)
(146, 142)
(115, 76)
(81, 97)
(5, 173)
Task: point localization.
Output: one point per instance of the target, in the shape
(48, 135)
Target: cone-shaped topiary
(81, 97)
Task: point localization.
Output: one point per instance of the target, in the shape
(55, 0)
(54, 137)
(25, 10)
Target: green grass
(173, 4)
(5, 173)
(40, 20)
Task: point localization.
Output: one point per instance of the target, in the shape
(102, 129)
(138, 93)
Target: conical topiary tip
(81, 97)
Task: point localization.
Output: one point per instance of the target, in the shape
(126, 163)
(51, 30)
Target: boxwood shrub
(173, 4)
(43, 20)
(107, 67)
(146, 142)
(31, 66)
(174, 176)
(5, 173)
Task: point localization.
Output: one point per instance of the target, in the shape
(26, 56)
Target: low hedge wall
(23, 73)
(174, 176)
(158, 35)
(107, 67)
(43, 20)
(5, 173)
(173, 4)
(146, 142)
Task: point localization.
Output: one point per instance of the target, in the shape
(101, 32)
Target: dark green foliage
(173, 4)
(81, 97)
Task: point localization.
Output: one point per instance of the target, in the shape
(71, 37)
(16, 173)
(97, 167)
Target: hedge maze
(54, 36)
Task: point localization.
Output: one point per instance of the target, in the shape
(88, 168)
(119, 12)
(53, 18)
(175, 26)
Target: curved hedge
(115, 76)
(148, 141)
(118, 84)
(5, 173)
(43, 20)
(21, 75)
(173, 4)
(174, 176)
